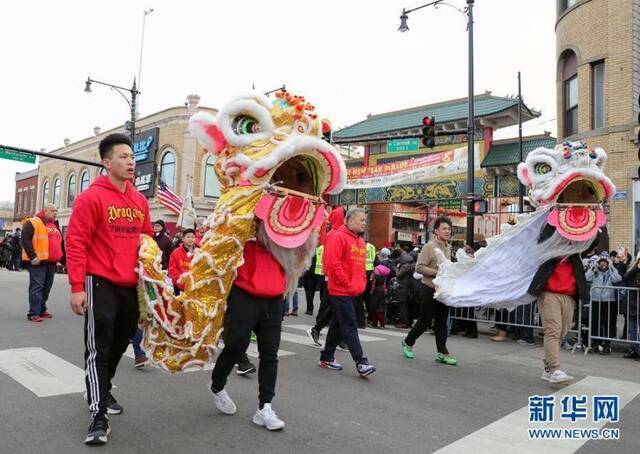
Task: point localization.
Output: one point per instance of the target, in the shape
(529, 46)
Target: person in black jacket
(630, 308)
(164, 242)
(406, 268)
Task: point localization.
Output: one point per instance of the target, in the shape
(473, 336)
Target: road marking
(509, 434)
(252, 351)
(363, 337)
(41, 372)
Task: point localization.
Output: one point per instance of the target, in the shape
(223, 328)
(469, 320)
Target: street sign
(399, 145)
(15, 155)
(620, 195)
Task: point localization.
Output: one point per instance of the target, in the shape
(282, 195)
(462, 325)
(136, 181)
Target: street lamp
(133, 92)
(468, 12)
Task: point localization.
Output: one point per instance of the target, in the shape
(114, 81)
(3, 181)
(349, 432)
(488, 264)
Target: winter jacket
(540, 279)
(406, 267)
(606, 278)
(104, 234)
(179, 263)
(165, 243)
(343, 262)
(632, 279)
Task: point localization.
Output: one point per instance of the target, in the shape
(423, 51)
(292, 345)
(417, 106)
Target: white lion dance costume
(568, 186)
(274, 169)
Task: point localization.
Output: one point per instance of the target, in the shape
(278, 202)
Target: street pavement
(407, 406)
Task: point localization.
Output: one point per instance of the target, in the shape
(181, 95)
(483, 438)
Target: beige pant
(556, 312)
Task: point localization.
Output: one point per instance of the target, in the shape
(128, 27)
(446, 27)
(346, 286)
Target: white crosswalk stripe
(41, 372)
(363, 337)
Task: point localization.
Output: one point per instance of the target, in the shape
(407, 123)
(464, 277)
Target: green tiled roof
(504, 154)
(484, 105)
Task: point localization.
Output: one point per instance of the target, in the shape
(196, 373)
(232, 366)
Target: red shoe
(46, 314)
(36, 319)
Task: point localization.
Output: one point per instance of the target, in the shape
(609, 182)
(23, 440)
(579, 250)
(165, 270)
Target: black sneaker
(99, 431)
(631, 354)
(342, 346)
(113, 407)
(245, 367)
(314, 336)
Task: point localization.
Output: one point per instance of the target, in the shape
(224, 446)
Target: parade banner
(412, 170)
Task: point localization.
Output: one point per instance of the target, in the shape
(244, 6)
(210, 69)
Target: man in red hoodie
(42, 249)
(344, 267)
(102, 251)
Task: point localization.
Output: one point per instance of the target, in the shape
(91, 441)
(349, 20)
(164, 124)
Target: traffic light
(479, 206)
(429, 131)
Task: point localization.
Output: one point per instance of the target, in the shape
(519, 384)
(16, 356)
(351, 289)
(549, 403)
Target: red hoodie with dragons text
(104, 234)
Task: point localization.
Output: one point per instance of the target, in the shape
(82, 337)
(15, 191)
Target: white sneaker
(557, 376)
(223, 401)
(545, 375)
(268, 418)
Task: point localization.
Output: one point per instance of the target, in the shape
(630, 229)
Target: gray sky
(346, 57)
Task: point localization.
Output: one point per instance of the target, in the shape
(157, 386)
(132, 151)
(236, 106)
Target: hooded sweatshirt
(335, 220)
(344, 261)
(104, 234)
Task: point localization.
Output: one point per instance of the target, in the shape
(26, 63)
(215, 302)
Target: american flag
(169, 198)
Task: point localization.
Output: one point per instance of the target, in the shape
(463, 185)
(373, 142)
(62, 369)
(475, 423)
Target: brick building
(598, 84)
(26, 195)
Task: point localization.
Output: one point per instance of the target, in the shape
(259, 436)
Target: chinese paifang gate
(568, 186)
(274, 169)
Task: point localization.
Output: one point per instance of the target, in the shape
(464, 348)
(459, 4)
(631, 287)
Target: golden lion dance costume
(274, 168)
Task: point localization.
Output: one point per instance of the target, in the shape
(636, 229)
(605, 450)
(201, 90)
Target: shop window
(45, 193)
(598, 94)
(84, 181)
(211, 183)
(566, 4)
(57, 188)
(168, 169)
(71, 190)
(569, 63)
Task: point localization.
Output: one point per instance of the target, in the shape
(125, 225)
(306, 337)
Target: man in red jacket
(255, 304)
(344, 266)
(180, 260)
(102, 251)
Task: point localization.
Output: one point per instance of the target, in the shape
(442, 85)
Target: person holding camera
(604, 308)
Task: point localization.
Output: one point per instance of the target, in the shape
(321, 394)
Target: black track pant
(431, 308)
(263, 316)
(109, 323)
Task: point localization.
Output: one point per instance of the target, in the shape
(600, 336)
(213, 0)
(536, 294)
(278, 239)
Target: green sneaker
(446, 359)
(407, 350)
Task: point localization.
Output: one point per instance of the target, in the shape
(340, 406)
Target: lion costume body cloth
(568, 186)
(274, 169)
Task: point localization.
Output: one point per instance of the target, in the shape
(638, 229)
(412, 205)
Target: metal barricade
(607, 303)
(523, 318)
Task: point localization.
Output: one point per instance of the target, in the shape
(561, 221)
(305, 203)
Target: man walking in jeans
(42, 249)
(344, 266)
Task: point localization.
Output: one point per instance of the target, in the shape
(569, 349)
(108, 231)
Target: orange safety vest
(40, 240)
